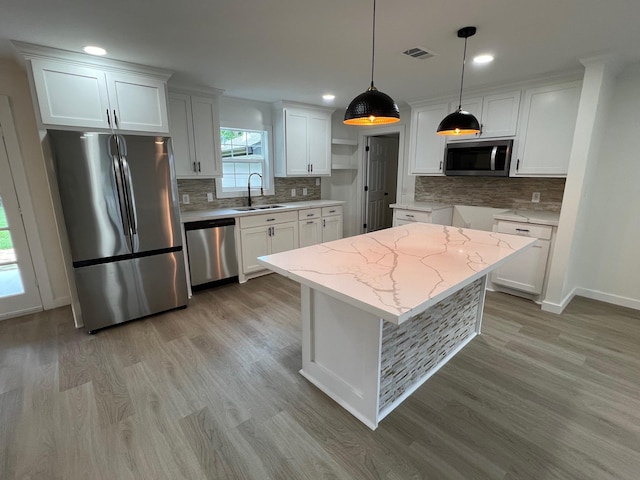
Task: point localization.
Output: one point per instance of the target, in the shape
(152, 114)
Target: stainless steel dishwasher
(211, 246)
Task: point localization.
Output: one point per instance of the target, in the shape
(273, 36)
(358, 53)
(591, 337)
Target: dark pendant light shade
(372, 107)
(460, 122)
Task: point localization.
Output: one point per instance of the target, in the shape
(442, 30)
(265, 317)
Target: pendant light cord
(464, 58)
(373, 46)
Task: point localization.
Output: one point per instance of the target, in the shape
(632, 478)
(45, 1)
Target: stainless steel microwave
(488, 158)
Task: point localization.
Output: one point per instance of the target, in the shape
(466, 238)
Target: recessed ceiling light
(328, 97)
(92, 50)
(483, 59)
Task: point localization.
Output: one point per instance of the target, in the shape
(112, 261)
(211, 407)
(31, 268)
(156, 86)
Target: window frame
(267, 178)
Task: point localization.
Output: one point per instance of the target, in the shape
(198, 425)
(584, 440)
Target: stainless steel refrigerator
(120, 203)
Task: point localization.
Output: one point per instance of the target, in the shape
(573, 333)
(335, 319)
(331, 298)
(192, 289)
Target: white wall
(240, 113)
(14, 84)
(609, 258)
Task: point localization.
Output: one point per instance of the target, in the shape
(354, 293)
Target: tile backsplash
(503, 192)
(197, 190)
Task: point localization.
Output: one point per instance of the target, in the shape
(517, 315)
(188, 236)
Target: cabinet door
(320, 144)
(181, 130)
(309, 232)
(500, 115)
(296, 127)
(70, 95)
(332, 228)
(548, 123)
(526, 271)
(426, 152)
(284, 237)
(140, 102)
(255, 243)
(206, 133)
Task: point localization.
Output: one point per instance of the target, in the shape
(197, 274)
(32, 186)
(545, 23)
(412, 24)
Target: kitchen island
(383, 311)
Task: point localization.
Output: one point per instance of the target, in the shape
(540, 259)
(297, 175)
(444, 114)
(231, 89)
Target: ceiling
(297, 50)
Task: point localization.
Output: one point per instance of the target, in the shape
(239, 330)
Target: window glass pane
(243, 152)
(10, 280)
(228, 168)
(242, 167)
(3, 216)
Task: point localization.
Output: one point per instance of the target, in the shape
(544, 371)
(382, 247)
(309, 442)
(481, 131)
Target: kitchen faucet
(249, 186)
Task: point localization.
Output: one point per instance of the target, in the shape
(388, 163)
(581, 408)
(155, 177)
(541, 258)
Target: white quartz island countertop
(539, 218)
(398, 272)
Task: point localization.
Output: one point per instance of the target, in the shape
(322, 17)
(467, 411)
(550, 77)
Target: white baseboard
(609, 298)
(20, 313)
(558, 307)
(58, 302)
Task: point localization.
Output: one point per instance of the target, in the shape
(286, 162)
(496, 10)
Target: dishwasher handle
(201, 224)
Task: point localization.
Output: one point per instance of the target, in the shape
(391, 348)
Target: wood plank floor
(213, 391)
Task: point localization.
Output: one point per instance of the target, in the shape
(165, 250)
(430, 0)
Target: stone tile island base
(368, 365)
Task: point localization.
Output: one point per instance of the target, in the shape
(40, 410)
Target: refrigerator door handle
(115, 150)
(131, 201)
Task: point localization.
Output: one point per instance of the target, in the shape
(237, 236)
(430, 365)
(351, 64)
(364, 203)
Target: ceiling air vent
(419, 52)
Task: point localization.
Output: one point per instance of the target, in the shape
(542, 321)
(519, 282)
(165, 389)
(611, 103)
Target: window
(244, 152)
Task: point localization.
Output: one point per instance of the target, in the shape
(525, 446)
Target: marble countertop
(398, 272)
(420, 206)
(525, 216)
(228, 212)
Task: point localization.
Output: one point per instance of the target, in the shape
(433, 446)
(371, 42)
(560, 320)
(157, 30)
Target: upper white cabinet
(547, 125)
(302, 140)
(426, 149)
(195, 131)
(497, 114)
(75, 91)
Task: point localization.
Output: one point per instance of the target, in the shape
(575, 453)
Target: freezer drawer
(211, 246)
(115, 292)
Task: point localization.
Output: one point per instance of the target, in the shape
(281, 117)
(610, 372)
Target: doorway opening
(380, 180)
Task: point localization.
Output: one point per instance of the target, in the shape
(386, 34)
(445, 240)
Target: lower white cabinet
(319, 225)
(440, 216)
(264, 235)
(332, 223)
(526, 272)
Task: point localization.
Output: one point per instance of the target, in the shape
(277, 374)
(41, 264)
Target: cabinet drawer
(309, 213)
(335, 210)
(525, 229)
(413, 215)
(268, 219)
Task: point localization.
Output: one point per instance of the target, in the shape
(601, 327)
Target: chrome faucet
(249, 186)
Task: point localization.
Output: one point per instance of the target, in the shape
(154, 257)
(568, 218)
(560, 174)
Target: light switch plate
(185, 199)
(535, 198)
(304, 191)
(209, 197)
(293, 192)
(317, 182)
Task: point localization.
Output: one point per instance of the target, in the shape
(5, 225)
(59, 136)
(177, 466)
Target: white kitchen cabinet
(426, 148)
(195, 130)
(70, 94)
(302, 140)
(405, 216)
(264, 235)
(547, 126)
(497, 114)
(332, 223)
(526, 272)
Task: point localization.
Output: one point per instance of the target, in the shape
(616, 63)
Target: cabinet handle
(108, 118)
(518, 165)
(312, 168)
(273, 231)
(194, 167)
(115, 119)
(271, 219)
(310, 222)
(440, 166)
(199, 169)
(310, 214)
(324, 223)
(522, 230)
(332, 211)
(409, 215)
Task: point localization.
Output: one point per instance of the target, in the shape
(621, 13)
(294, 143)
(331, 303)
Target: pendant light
(460, 122)
(372, 107)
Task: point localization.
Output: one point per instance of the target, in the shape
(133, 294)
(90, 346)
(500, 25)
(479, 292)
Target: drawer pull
(271, 219)
(310, 214)
(409, 215)
(332, 211)
(310, 222)
(523, 230)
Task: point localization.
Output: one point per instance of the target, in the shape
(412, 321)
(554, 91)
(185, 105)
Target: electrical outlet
(293, 192)
(535, 198)
(185, 199)
(209, 197)
(317, 182)
(304, 191)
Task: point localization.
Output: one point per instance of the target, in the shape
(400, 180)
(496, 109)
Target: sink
(259, 207)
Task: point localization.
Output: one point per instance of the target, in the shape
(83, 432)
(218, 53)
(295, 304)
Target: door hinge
(366, 188)
(364, 225)
(366, 148)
